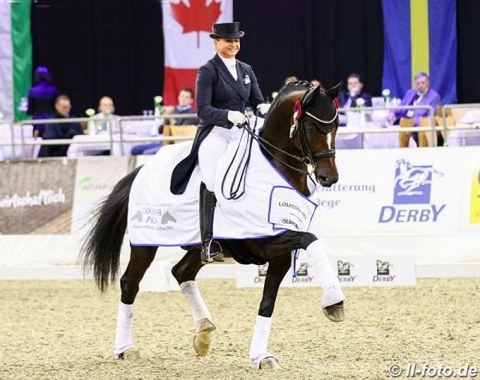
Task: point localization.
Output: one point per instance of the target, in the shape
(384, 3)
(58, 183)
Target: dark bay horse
(298, 138)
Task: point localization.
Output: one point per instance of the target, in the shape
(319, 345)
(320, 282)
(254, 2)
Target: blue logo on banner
(412, 188)
(412, 183)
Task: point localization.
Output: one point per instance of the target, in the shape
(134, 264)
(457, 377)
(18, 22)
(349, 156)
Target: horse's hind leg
(185, 272)
(140, 260)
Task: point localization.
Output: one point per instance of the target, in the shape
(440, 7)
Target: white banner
(300, 275)
(375, 270)
(404, 191)
(6, 62)
(94, 180)
(351, 271)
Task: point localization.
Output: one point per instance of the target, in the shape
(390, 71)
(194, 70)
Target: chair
(404, 137)
(183, 131)
(450, 123)
(167, 132)
(425, 138)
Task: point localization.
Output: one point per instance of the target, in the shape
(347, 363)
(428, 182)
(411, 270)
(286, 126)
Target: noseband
(308, 154)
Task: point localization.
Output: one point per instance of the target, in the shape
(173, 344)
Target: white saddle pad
(269, 206)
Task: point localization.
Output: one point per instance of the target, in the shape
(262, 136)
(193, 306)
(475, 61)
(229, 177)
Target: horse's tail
(101, 249)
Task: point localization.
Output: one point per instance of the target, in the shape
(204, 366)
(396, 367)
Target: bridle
(308, 155)
(237, 186)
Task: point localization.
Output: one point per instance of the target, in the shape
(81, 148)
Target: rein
(237, 187)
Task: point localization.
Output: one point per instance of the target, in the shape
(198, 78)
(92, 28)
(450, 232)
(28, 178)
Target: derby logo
(412, 187)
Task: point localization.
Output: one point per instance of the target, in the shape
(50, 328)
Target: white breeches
(211, 149)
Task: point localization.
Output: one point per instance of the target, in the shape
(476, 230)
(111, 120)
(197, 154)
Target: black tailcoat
(217, 93)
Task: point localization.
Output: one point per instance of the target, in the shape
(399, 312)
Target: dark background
(115, 47)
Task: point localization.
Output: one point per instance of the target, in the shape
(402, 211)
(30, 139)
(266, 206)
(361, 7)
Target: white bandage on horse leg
(123, 336)
(201, 316)
(258, 347)
(332, 292)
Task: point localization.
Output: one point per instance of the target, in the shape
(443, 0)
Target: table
(94, 144)
(459, 137)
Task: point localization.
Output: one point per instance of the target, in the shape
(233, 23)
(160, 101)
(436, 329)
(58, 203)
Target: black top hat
(227, 30)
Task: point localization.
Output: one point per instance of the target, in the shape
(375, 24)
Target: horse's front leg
(140, 260)
(185, 272)
(277, 268)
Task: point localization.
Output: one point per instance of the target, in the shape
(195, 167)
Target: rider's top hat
(227, 30)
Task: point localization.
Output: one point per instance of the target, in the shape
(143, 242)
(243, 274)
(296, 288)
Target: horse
(298, 139)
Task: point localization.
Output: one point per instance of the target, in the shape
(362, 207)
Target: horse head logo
(262, 270)
(302, 270)
(343, 268)
(383, 268)
(137, 217)
(167, 217)
(413, 183)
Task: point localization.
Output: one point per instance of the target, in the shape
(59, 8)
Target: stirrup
(210, 257)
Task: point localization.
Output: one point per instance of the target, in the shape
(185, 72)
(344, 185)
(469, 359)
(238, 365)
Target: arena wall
(423, 203)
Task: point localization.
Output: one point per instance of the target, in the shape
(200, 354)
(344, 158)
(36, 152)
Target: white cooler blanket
(269, 206)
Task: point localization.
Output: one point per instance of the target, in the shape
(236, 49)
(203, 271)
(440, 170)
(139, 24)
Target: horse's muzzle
(327, 180)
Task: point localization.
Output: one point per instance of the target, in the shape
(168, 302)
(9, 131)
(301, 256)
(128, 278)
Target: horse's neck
(276, 131)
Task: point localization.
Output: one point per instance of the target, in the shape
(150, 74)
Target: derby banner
(15, 56)
(187, 26)
(420, 36)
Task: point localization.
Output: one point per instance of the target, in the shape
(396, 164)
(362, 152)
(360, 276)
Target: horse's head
(301, 124)
(315, 123)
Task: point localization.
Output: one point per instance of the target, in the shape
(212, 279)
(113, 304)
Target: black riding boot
(210, 252)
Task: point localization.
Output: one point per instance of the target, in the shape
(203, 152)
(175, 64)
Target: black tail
(101, 250)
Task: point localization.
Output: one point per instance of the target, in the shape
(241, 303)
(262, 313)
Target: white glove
(263, 108)
(236, 118)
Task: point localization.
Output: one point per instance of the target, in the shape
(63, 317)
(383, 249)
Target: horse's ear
(310, 96)
(333, 92)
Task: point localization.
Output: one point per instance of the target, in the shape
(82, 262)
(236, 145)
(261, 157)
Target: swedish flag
(420, 35)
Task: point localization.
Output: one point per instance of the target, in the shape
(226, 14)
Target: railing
(121, 139)
(391, 128)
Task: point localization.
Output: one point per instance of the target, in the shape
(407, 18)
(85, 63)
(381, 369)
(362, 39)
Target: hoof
(335, 313)
(201, 342)
(130, 354)
(269, 363)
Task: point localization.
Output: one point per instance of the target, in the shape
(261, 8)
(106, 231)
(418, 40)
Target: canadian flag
(187, 26)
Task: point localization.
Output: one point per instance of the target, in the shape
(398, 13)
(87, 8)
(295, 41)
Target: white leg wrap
(332, 292)
(123, 336)
(197, 306)
(258, 347)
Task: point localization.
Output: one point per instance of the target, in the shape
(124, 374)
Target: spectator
(60, 130)
(103, 119)
(41, 97)
(351, 98)
(185, 100)
(422, 94)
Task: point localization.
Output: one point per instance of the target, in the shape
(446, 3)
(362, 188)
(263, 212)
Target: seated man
(351, 98)
(185, 100)
(422, 94)
(60, 130)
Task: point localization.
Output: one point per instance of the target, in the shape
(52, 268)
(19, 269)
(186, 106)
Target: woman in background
(41, 99)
